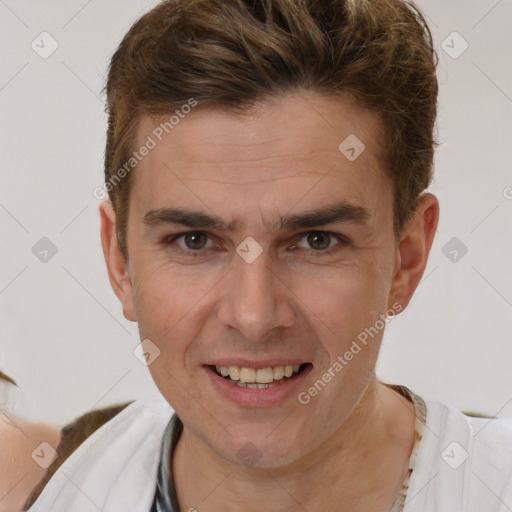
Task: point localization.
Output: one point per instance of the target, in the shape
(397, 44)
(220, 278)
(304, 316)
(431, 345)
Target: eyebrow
(339, 212)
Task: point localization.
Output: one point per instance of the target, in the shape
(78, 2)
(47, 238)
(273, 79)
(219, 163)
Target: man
(266, 164)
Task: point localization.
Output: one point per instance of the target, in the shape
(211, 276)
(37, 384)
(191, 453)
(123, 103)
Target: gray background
(63, 336)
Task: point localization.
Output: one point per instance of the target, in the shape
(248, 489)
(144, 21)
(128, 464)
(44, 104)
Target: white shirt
(462, 464)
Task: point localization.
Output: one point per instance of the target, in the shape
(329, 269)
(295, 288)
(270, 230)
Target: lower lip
(264, 397)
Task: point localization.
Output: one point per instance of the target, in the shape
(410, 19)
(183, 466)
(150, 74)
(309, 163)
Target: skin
(19, 473)
(351, 443)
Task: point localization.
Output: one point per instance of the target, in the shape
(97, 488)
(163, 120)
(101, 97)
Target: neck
(361, 466)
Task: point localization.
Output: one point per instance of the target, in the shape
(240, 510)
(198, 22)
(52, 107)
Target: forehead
(284, 146)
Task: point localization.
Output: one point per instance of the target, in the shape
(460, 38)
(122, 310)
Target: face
(254, 243)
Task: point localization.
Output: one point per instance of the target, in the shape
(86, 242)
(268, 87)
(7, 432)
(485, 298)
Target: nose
(255, 299)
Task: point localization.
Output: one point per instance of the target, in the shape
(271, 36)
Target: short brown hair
(234, 53)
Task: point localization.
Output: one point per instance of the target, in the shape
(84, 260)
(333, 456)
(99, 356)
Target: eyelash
(318, 252)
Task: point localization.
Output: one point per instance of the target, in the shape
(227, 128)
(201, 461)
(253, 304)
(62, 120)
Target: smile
(258, 378)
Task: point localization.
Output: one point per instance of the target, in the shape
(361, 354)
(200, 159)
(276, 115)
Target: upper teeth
(259, 375)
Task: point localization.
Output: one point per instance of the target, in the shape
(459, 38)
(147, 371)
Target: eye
(191, 241)
(321, 241)
(194, 242)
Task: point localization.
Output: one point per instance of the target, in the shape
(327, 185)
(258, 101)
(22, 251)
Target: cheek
(169, 305)
(160, 290)
(344, 301)
(168, 308)
(158, 304)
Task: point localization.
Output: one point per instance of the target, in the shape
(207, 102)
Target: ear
(413, 250)
(117, 266)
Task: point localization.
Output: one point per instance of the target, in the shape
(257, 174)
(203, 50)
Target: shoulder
(105, 451)
(464, 461)
(31, 452)
(481, 434)
(24, 447)
(71, 437)
(491, 448)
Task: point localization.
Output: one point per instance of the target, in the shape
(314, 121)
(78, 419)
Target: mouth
(258, 378)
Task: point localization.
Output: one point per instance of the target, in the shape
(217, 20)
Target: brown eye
(190, 243)
(195, 240)
(322, 242)
(319, 240)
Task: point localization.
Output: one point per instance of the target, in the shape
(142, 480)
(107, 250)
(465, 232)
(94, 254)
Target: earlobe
(413, 250)
(117, 266)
